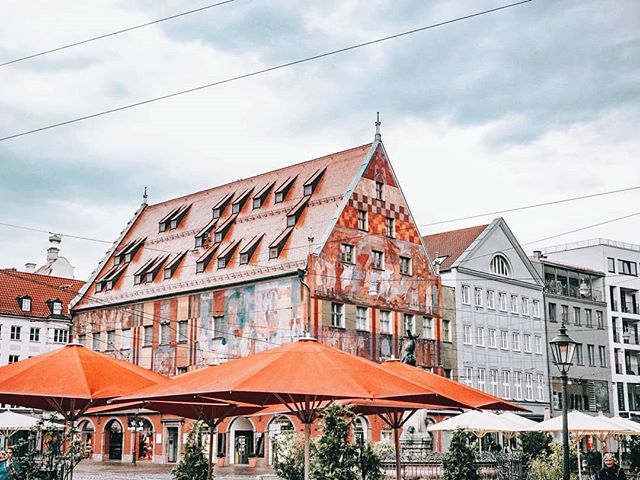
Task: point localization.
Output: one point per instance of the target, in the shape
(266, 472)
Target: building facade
(327, 246)
(619, 262)
(575, 296)
(500, 332)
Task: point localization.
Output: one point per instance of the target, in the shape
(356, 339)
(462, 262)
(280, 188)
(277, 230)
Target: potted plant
(220, 458)
(253, 460)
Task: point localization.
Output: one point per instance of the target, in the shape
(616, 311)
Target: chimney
(537, 254)
(30, 267)
(53, 250)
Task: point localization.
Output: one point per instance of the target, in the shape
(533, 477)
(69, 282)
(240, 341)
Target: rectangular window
(538, 344)
(514, 304)
(526, 342)
(446, 330)
(552, 312)
(16, 331)
(25, 304)
(362, 319)
(491, 299)
(591, 350)
(14, 358)
(493, 378)
(493, 338)
(480, 336)
(111, 339)
(82, 339)
(468, 376)
(362, 220)
(528, 386)
(147, 339)
(588, 315)
(515, 340)
(60, 335)
(219, 326)
(380, 190)
(405, 266)
(385, 321)
(347, 253)
(466, 329)
(525, 306)
(626, 267)
(34, 334)
(506, 384)
(540, 387)
(611, 265)
(409, 323)
(126, 339)
(477, 296)
(427, 328)
(504, 340)
(466, 294)
(481, 379)
(337, 316)
(579, 354)
(502, 301)
(390, 223)
(183, 331)
(378, 260)
(517, 385)
(536, 308)
(164, 333)
(600, 319)
(565, 314)
(576, 316)
(95, 341)
(602, 351)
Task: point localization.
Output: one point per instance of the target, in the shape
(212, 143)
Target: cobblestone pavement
(89, 470)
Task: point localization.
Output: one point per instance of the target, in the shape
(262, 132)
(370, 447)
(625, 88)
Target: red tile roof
(268, 221)
(40, 288)
(451, 244)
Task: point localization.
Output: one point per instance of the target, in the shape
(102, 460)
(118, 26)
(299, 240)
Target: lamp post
(563, 348)
(135, 426)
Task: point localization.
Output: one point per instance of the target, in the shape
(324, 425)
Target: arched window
(500, 266)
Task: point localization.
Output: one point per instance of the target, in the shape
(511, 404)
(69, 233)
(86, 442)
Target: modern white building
(501, 341)
(619, 261)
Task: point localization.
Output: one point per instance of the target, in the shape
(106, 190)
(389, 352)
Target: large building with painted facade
(500, 331)
(328, 245)
(619, 261)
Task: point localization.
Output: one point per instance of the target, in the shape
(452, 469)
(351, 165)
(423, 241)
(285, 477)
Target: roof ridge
(457, 230)
(11, 271)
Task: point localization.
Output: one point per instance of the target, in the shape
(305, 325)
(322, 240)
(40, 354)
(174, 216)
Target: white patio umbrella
(11, 422)
(517, 419)
(631, 428)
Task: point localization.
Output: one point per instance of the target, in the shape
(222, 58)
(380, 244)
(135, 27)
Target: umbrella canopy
(478, 422)
(71, 379)
(631, 427)
(517, 419)
(579, 424)
(12, 421)
(472, 397)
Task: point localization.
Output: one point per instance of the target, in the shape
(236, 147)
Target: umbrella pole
(307, 450)
(212, 429)
(396, 442)
(579, 462)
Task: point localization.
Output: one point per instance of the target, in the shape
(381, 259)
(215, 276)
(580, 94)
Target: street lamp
(563, 348)
(136, 425)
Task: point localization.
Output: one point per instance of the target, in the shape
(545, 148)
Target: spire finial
(144, 196)
(378, 123)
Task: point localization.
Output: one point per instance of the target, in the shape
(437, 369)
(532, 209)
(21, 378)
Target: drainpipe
(301, 274)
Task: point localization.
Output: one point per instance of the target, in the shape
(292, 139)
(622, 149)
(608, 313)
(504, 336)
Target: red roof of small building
(40, 288)
(315, 188)
(451, 244)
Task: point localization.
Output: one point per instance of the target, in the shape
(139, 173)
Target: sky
(531, 104)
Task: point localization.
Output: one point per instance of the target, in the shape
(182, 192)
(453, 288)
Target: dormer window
(223, 229)
(203, 261)
(249, 249)
(111, 277)
(55, 306)
(237, 205)
(218, 208)
(203, 235)
(296, 211)
(283, 189)
(278, 244)
(25, 303)
(173, 219)
(261, 196)
(126, 254)
(312, 182)
(147, 273)
(173, 265)
(225, 256)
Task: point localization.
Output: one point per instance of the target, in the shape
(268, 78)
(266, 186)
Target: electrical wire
(259, 72)
(111, 34)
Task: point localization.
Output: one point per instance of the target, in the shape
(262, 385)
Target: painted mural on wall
(351, 341)
(248, 319)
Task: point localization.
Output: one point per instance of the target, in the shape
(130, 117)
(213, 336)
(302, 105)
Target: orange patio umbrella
(301, 375)
(71, 379)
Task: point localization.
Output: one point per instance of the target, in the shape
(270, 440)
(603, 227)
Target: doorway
(172, 444)
(113, 432)
(243, 446)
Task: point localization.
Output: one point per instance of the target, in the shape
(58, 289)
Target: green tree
(288, 456)
(633, 447)
(194, 464)
(549, 466)
(459, 462)
(369, 463)
(334, 457)
(534, 444)
(53, 461)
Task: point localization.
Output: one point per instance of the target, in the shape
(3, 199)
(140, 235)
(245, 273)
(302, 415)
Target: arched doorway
(278, 426)
(242, 435)
(87, 432)
(360, 429)
(113, 436)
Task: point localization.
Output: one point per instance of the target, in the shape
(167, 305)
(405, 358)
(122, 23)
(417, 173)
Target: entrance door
(115, 445)
(243, 446)
(172, 444)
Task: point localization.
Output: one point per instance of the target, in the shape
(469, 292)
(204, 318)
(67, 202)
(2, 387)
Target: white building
(55, 265)
(620, 263)
(501, 341)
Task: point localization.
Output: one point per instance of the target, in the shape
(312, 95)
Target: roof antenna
(378, 123)
(144, 196)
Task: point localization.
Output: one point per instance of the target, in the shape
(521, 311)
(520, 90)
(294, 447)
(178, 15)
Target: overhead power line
(117, 32)
(526, 207)
(259, 72)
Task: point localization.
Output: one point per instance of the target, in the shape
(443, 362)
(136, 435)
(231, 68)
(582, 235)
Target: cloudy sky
(535, 103)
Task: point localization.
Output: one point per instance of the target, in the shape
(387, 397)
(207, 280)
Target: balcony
(572, 291)
(630, 308)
